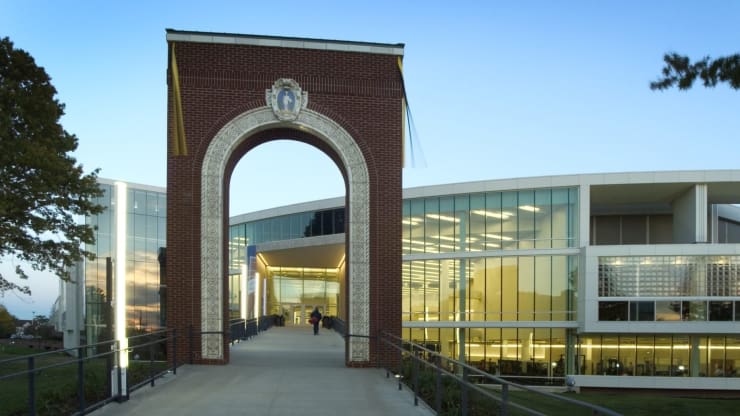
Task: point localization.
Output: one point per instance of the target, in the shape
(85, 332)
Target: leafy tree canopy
(42, 188)
(679, 71)
(7, 323)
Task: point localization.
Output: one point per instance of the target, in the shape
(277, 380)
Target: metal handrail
(81, 358)
(398, 344)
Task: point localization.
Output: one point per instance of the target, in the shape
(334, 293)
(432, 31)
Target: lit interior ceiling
(323, 256)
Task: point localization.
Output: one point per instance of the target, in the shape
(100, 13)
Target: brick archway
(354, 115)
(215, 162)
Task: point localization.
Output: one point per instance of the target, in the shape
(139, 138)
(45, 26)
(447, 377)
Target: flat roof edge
(284, 42)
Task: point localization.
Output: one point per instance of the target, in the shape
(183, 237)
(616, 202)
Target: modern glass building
(592, 276)
(129, 234)
(615, 280)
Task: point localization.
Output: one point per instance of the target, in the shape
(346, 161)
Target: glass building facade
(145, 230)
(490, 277)
(498, 279)
(581, 279)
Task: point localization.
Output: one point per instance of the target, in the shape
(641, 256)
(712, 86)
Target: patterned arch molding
(212, 221)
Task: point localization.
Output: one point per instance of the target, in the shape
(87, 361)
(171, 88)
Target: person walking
(315, 320)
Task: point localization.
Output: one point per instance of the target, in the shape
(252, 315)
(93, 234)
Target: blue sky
(498, 89)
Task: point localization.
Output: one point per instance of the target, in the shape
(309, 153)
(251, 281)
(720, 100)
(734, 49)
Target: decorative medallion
(286, 99)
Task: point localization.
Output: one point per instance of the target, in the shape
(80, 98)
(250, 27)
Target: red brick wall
(360, 91)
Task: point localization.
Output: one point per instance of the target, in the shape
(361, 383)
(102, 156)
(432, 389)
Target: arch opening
(285, 266)
(228, 146)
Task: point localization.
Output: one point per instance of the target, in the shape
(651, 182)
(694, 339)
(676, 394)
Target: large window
(659, 355)
(526, 219)
(523, 288)
(669, 276)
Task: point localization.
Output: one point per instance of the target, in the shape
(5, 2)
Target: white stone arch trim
(212, 222)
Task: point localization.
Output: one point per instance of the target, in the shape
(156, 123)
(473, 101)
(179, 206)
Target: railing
(239, 330)
(48, 377)
(453, 386)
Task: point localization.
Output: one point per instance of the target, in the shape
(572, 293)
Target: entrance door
(299, 314)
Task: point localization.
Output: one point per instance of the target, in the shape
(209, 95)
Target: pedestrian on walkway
(315, 319)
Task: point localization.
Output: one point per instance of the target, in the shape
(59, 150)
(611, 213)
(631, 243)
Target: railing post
(151, 363)
(190, 342)
(174, 351)
(400, 366)
(81, 378)
(464, 391)
(438, 397)
(415, 367)
(31, 388)
(504, 399)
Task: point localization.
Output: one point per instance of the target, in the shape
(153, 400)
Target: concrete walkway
(282, 371)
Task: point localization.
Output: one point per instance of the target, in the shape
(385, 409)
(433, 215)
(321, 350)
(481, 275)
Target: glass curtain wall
(491, 287)
(145, 234)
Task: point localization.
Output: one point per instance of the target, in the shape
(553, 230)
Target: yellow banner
(179, 144)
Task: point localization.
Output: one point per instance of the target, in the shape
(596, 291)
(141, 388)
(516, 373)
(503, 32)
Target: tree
(680, 72)
(43, 189)
(7, 323)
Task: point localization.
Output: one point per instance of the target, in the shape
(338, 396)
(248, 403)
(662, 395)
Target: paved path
(283, 371)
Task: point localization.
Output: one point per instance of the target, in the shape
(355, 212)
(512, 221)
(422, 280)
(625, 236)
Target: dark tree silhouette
(680, 72)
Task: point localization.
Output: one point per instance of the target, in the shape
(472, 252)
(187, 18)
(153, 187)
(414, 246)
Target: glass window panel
(681, 362)
(543, 218)
(493, 349)
(668, 311)
(557, 350)
(431, 294)
(509, 219)
(421, 242)
(448, 224)
(662, 360)
(590, 355)
(732, 355)
(560, 289)
(613, 311)
(609, 364)
(644, 356)
(694, 311)
(406, 291)
(405, 226)
(416, 288)
(543, 288)
(720, 310)
(559, 218)
(526, 289)
(642, 311)
(477, 289)
(525, 213)
(462, 223)
(510, 363)
(327, 223)
(627, 354)
(493, 289)
(447, 288)
(493, 217)
(447, 341)
(509, 280)
(716, 356)
(339, 221)
(477, 239)
(540, 357)
(573, 214)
